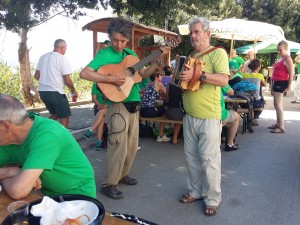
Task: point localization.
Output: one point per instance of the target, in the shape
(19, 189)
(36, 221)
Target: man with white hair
(53, 73)
(39, 153)
(250, 56)
(202, 123)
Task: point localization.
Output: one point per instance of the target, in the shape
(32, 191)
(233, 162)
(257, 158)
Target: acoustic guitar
(129, 67)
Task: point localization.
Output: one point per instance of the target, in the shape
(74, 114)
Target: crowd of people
(37, 153)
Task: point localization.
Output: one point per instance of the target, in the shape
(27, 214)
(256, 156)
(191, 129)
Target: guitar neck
(146, 60)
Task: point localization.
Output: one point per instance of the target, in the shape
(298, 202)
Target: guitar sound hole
(132, 71)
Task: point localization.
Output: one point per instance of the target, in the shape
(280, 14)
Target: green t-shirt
(96, 92)
(205, 102)
(110, 56)
(238, 60)
(298, 68)
(225, 112)
(236, 75)
(51, 147)
(144, 82)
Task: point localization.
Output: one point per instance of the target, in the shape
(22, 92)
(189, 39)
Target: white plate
(91, 209)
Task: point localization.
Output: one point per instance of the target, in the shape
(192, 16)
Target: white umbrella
(239, 29)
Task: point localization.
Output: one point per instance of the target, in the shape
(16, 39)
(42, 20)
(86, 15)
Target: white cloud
(42, 37)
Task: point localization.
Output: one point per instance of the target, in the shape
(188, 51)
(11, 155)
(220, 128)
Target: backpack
(145, 131)
(249, 105)
(104, 136)
(244, 86)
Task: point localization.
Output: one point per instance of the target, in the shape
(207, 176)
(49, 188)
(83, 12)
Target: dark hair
(155, 74)
(167, 70)
(254, 64)
(120, 25)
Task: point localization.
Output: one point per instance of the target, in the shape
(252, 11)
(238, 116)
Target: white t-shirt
(53, 66)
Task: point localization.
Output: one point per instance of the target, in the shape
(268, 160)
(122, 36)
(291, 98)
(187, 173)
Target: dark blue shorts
(279, 86)
(56, 103)
(152, 111)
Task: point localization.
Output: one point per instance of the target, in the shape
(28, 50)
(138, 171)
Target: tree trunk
(28, 90)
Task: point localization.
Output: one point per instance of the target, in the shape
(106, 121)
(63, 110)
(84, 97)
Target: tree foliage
(25, 14)
(283, 13)
(20, 16)
(169, 14)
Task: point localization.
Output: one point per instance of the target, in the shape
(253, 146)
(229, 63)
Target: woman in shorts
(283, 72)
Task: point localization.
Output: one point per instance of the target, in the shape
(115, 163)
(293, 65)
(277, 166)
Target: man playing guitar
(122, 116)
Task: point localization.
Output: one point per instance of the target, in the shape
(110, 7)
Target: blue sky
(42, 37)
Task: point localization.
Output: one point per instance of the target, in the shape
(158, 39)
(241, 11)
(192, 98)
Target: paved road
(260, 181)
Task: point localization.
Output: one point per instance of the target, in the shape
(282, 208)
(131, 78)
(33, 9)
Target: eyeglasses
(197, 32)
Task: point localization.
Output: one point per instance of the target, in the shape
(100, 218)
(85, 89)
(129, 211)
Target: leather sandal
(211, 210)
(274, 126)
(188, 199)
(277, 130)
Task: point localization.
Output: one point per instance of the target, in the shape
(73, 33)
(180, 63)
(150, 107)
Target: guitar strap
(206, 52)
(128, 53)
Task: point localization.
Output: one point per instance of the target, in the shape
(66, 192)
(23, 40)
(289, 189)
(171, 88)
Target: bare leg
(97, 120)
(176, 130)
(53, 117)
(161, 129)
(64, 121)
(279, 109)
(233, 129)
(100, 129)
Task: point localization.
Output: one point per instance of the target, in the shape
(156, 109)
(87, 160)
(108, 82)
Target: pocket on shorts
(116, 127)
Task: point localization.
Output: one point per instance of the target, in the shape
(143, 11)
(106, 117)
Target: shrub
(10, 83)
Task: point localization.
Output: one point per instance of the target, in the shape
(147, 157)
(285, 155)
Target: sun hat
(233, 65)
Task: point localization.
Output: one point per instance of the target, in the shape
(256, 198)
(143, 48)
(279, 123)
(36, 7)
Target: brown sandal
(188, 199)
(274, 126)
(277, 130)
(211, 210)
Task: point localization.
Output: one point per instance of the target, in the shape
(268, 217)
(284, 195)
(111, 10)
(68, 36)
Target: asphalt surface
(260, 181)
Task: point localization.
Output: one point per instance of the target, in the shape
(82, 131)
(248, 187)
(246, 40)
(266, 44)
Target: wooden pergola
(138, 31)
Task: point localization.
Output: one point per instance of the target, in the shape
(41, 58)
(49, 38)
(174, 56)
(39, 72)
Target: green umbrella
(268, 47)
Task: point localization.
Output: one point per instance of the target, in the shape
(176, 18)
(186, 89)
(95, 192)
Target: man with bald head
(234, 57)
(53, 73)
(250, 56)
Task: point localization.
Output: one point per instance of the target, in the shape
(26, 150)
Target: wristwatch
(158, 62)
(202, 76)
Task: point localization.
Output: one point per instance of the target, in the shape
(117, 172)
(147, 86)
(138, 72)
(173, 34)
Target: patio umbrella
(239, 29)
(267, 47)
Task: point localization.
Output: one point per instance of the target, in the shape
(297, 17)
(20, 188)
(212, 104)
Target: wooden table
(5, 200)
(234, 100)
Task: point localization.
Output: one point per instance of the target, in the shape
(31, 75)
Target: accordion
(194, 83)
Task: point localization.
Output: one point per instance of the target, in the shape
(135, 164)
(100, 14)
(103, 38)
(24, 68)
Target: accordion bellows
(194, 83)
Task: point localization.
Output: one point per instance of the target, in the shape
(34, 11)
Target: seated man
(47, 155)
(230, 119)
